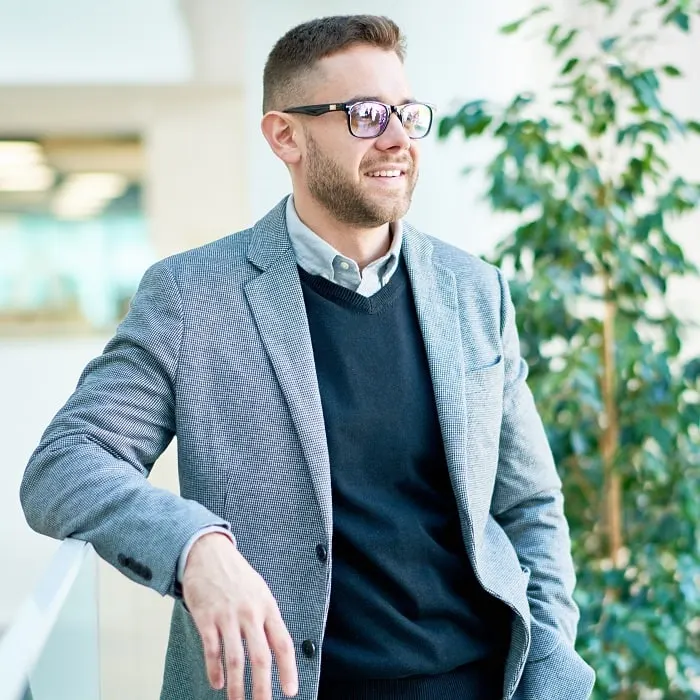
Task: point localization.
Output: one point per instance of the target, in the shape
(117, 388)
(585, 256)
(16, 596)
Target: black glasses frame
(318, 110)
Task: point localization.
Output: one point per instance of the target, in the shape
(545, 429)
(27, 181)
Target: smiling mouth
(394, 173)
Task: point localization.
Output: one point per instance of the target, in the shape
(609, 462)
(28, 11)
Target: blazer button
(143, 571)
(309, 648)
(321, 553)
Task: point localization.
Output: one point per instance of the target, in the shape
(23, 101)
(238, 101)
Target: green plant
(590, 262)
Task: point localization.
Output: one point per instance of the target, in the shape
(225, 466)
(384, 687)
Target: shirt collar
(317, 256)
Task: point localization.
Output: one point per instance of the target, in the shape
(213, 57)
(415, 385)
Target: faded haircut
(296, 54)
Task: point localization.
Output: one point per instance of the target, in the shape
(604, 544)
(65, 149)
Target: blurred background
(130, 130)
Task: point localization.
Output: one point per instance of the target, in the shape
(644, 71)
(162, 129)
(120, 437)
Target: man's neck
(363, 245)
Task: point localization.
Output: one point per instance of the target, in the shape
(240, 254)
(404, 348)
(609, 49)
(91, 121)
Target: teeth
(386, 173)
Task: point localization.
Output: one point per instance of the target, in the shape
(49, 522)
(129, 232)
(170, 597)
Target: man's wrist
(212, 529)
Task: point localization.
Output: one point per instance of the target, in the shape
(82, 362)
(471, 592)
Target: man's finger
(211, 643)
(283, 648)
(235, 662)
(260, 659)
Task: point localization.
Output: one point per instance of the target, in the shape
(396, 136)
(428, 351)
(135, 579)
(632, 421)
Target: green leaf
(657, 129)
(445, 127)
(672, 71)
(572, 179)
(608, 43)
(629, 133)
(522, 99)
(513, 27)
(472, 118)
(570, 65)
(637, 642)
(680, 18)
(645, 86)
(564, 43)
(691, 372)
(616, 73)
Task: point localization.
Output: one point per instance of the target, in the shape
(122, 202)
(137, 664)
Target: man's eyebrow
(375, 98)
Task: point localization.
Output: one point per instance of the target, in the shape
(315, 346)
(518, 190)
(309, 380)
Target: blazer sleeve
(528, 504)
(87, 479)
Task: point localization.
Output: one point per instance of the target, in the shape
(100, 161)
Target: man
(368, 498)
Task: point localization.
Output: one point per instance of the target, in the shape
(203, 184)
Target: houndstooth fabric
(216, 350)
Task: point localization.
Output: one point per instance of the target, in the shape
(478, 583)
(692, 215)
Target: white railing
(50, 651)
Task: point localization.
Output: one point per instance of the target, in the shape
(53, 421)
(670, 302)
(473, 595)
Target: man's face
(340, 170)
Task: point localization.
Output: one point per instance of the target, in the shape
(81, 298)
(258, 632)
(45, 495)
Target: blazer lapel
(437, 305)
(277, 304)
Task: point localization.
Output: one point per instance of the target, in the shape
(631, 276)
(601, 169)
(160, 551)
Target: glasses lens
(368, 119)
(417, 119)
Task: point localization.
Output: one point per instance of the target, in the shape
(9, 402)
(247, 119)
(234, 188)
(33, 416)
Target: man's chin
(396, 212)
(372, 212)
(391, 204)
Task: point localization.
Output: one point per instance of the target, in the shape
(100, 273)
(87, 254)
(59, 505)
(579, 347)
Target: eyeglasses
(368, 119)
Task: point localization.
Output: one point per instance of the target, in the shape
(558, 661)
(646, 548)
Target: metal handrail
(22, 644)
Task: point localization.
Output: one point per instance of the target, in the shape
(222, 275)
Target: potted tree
(584, 168)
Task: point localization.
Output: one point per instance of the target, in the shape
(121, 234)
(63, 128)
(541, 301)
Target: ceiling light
(27, 178)
(19, 153)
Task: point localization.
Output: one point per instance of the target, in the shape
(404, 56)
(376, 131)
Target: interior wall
(82, 41)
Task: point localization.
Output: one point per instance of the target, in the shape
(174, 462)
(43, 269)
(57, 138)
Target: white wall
(44, 41)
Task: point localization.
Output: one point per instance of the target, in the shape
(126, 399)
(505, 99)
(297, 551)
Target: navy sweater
(404, 599)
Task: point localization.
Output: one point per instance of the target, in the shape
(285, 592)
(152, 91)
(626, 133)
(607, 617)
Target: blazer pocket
(485, 366)
(483, 394)
(486, 377)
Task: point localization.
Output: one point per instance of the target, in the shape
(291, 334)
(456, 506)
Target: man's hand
(229, 601)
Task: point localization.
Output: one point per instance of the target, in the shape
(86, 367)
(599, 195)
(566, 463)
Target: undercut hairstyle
(294, 57)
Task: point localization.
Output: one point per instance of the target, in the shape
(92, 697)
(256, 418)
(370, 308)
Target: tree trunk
(610, 438)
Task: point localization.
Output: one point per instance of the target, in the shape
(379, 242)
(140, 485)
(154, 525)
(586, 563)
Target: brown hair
(298, 51)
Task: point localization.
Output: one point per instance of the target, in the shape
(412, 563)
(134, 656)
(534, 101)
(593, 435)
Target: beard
(347, 201)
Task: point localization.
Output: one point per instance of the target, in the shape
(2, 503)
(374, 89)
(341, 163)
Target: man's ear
(283, 135)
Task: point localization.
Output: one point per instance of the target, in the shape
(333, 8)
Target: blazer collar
(269, 238)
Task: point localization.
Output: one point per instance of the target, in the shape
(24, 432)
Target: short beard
(344, 200)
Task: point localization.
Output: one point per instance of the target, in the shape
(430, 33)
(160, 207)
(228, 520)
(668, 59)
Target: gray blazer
(216, 351)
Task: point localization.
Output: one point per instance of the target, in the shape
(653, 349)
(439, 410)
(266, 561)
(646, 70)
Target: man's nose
(394, 135)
